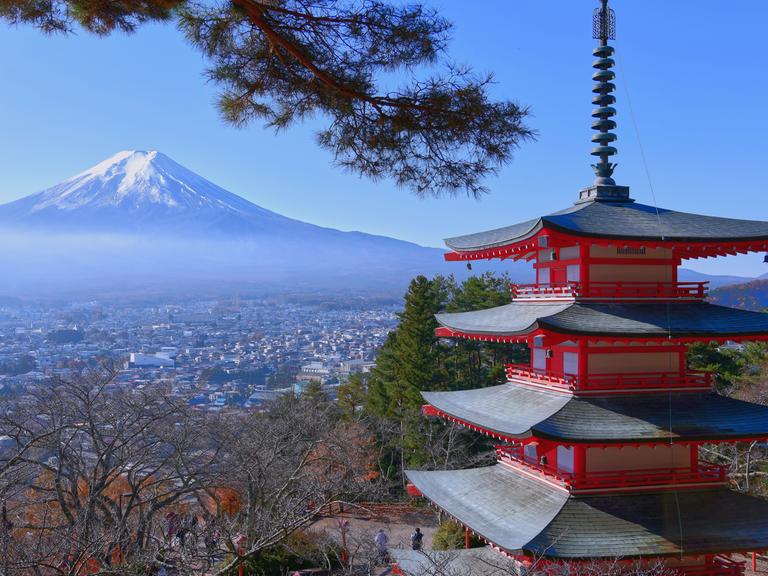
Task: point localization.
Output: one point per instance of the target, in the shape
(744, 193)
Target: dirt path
(397, 520)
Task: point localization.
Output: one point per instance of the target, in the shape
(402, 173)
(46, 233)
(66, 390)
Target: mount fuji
(136, 192)
(139, 221)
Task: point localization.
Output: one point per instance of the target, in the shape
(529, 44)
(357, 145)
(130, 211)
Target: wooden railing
(702, 473)
(610, 290)
(544, 291)
(644, 290)
(690, 379)
(543, 378)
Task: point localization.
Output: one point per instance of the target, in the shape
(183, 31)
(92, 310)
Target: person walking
(416, 539)
(381, 540)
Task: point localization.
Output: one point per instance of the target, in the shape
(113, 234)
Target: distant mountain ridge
(141, 219)
(135, 191)
(751, 295)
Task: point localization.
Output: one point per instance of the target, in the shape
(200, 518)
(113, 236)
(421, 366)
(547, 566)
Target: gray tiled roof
(624, 220)
(664, 523)
(513, 318)
(494, 501)
(522, 515)
(508, 409)
(610, 319)
(473, 562)
(517, 411)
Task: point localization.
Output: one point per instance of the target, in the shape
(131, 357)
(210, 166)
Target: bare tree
(288, 465)
(102, 479)
(94, 470)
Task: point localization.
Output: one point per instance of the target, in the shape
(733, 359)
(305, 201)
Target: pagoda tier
(512, 412)
(524, 517)
(618, 222)
(606, 321)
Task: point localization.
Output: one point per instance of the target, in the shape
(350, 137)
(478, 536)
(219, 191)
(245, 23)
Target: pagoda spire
(604, 187)
(604, 29)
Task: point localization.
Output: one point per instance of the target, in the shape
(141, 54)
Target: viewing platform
(690, 380)
(701, 475)
(632, 291)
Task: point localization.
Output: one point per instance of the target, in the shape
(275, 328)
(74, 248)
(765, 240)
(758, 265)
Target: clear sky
(696, 73)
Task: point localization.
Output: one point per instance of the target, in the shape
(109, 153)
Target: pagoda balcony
(617, 382)
(610, 291)
(703, 474)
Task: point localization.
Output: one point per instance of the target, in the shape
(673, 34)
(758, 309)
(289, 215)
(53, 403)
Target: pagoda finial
(604, 187)
(604, 29)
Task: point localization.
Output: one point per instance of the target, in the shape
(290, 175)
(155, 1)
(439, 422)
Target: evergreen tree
(411, 359)
(351, 395)
(314, 393)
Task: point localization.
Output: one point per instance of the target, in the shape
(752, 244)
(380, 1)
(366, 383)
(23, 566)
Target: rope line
(625, 85)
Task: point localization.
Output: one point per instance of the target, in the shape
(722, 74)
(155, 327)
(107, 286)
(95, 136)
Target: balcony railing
(720, 566)
(544, 291)
(690, 379)
(702, 474)
(543, 378)
(610, 290)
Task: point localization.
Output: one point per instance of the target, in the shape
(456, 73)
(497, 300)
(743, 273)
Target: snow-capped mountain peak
(137, 181)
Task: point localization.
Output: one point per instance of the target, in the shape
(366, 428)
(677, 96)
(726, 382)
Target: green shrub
(450, 536)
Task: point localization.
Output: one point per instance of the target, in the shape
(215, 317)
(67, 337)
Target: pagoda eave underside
(524, 517)
(683, 249)
(600, 321)
(617, 224)
(513, 411)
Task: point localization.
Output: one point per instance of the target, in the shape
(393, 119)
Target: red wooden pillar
(754, 561)
(466, 538)
(675, 263)
(694, 456)
(584, 249)
(579, 460)
(583, 378)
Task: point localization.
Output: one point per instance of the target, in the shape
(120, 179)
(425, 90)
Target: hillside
(141, 222)
(747, 296)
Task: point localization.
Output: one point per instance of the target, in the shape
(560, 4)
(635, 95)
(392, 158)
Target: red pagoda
(599, 436)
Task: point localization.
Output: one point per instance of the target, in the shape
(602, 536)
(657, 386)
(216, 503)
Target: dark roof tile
(624, 220)
(516, 411)
(522, 515)
(610, 319)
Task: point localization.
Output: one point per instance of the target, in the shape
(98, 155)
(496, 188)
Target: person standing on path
(381, 540)
(416, 539)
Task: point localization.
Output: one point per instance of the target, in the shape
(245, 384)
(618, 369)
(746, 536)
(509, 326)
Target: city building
(157, 360)
(600, 436)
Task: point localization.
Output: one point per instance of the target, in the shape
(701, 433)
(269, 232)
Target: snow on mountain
(135, 190)
(136, 180)
(140, 218)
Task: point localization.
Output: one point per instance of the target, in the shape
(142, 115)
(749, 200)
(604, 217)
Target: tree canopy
(377, 70)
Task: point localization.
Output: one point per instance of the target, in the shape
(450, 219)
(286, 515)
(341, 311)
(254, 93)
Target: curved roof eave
(613, 320)
(529, 228)
(522, 515)
(516, 318)
(516, 411)
(620, 221)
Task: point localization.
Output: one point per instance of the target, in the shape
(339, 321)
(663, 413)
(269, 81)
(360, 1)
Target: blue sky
(695, 73)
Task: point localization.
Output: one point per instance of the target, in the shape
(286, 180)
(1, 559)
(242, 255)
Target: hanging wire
(625, 86)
